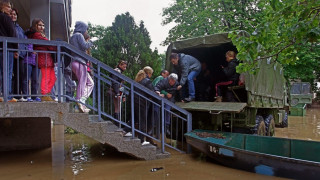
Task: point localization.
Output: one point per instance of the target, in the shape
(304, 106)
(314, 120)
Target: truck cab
(300, 97)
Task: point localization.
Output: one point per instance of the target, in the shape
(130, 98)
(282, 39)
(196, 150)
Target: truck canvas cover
(265, 88)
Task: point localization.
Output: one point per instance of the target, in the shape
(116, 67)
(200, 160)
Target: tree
(204, 17)
(125, 40)
(286, 29)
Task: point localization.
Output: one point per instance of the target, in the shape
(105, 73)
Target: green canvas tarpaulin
(267, 83)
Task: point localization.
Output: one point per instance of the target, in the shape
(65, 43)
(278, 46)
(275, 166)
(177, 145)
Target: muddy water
(79, 157)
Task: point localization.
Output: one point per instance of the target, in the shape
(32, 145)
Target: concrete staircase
(103, 131)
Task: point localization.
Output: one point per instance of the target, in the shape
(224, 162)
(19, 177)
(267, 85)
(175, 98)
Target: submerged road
(79, 157)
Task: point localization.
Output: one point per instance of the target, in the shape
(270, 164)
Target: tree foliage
(286, 31)
(125, 40)
(203, 17)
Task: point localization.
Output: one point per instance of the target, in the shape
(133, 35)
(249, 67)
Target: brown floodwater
(79, 157)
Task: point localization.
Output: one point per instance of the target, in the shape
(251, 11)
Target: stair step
(160, 155)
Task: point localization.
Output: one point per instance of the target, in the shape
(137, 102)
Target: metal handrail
(102, 86)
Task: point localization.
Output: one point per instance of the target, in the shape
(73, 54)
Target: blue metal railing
(151, 125)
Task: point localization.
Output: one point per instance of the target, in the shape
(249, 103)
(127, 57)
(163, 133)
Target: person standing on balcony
(79, 64)
(190, 68)
(18, 70)
(45, 60)
(7, 29)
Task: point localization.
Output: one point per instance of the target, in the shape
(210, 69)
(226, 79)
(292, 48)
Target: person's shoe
(83, 108)
(218, 99)
(1, 99)
(145, 143)
(22, 100)
(13, 100)
(46, 98)
(29, 99)
(128, 134)
(189, 99)
(37, 99)
(55, 99)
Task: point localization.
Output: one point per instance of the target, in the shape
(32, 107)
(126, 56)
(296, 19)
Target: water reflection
(79, 157)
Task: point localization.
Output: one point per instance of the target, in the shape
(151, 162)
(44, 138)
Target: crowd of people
(26, 64)
(32, 65)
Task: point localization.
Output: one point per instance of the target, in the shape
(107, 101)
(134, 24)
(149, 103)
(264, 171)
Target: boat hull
(257, 162)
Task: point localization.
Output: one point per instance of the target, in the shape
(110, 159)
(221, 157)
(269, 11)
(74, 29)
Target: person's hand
(157, 92)
(16, 55)
(221, 66)
(179, 87)
(162, 95)
(169, 95)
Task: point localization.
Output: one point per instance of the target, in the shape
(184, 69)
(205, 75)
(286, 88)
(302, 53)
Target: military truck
(255, 107)
(300, 97)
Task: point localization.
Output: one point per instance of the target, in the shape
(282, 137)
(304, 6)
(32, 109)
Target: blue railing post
(162, 126)
(99, 91)
(189, 120)
(59, 72)
(5, 74)
(132, 109)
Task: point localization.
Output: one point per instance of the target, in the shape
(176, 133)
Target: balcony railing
(143, 112)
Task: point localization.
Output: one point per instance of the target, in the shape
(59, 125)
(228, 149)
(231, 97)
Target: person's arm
(149, 85)
(184, 73)
(84, 45)
(230, 70)
(38, 35)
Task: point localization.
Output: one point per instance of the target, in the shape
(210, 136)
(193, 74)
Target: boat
(290, 158)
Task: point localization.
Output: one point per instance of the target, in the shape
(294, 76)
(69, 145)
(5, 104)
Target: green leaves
(204, 17)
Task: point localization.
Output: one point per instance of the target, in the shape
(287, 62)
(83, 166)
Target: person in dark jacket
(116, 87)
(18, 70)
(231, 75)
(190, 68)
(141, 105)
(7, 29)
(167, 88)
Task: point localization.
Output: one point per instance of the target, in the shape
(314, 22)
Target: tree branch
(276, 54)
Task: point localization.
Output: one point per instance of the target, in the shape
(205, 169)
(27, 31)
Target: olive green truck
(255, 107)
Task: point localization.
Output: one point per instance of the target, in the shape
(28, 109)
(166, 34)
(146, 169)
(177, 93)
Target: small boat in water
(291, 158)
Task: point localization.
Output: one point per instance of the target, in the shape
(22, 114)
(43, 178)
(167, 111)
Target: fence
(145, 114)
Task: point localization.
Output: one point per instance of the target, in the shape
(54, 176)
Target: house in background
(55, 13)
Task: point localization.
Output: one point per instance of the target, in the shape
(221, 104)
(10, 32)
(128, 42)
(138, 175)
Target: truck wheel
(270, 125)
(284, 122)
(260, 126)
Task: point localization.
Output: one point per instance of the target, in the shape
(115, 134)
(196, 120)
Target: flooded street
(79, 157)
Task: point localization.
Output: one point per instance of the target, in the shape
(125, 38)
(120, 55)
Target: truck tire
(260, 127)
(284, 122)
(270, 125)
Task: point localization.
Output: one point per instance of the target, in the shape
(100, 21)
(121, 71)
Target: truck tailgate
(213, 107)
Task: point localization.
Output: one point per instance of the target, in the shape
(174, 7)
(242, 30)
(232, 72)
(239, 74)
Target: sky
(103, 12)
